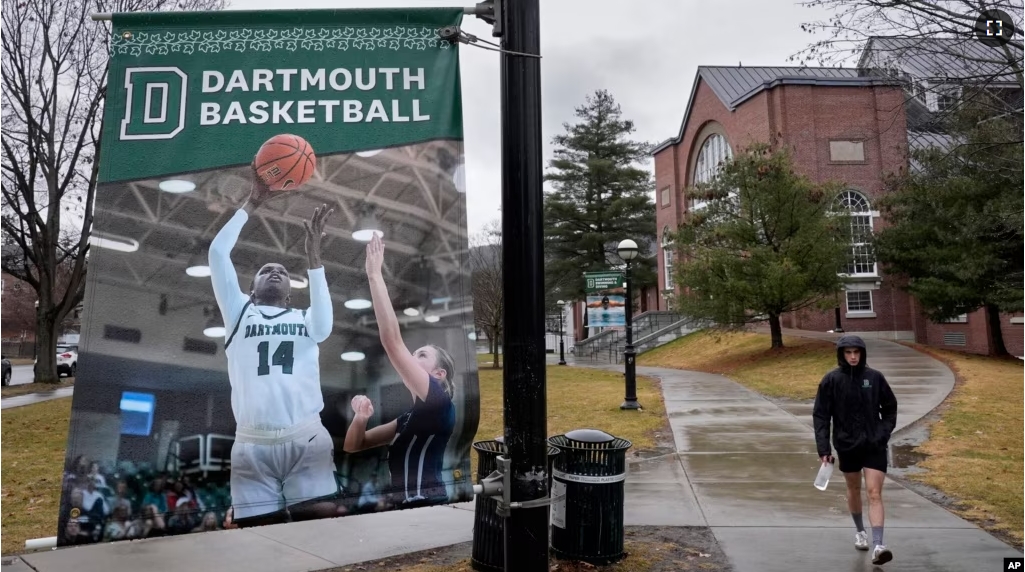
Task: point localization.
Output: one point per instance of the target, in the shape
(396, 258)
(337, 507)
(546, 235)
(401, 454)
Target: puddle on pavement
(905, 456)
(655, 452)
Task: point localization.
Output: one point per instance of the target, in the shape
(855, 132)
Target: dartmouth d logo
(154, 103)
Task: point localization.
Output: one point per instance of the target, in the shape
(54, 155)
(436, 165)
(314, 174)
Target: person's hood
(851, 342)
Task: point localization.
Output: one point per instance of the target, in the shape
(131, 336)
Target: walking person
(859, 404)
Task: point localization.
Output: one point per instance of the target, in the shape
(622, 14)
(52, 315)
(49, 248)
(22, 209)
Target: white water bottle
(822, 479)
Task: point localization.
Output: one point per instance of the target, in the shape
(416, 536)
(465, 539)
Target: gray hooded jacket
(857, 400)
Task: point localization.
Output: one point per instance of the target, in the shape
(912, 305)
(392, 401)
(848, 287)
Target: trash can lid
(589, 436)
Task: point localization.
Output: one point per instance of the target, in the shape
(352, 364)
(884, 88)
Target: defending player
(418, 438)
(282, 462)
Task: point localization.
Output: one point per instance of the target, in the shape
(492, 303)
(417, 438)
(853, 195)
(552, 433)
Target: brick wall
(1014, 334)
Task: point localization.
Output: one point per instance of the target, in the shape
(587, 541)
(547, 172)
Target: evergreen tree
(768, 241)
(955, 221)
(600, 196)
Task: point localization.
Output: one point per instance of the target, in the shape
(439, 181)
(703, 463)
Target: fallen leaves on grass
(972, 456)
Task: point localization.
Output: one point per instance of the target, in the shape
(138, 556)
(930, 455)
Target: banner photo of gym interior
(277, 322)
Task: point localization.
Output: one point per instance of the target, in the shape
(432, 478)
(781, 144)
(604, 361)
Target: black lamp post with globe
(628, 252)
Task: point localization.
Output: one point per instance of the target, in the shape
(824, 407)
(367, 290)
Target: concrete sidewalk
(751, 463)
(39, 397)
(743, 466)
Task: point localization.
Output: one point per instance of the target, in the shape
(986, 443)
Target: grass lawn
(33, 442)
(976, 448)
(580, 398)
(792, 372)
(34, 437)
(13, 390)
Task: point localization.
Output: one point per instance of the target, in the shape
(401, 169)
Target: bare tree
(931, 46)
(853, 22)
(486, 273)
(54, 73)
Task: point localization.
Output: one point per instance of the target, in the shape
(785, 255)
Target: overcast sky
(644, 52)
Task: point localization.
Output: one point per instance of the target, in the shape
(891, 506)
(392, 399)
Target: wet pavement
(31, 398)
(741, 465)
(749, 465)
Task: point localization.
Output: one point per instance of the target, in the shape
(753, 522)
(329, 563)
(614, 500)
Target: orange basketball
(285, 162)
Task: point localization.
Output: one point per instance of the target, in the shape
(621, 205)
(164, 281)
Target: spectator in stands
(184, 518)
(122, 497)
(182, 492)
(152, 522)
(120, 527)
(73, 533)
(94, 474)
(156, 495)
(209, 523)
(93, 502)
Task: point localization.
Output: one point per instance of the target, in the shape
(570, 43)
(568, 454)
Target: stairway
(651, 329)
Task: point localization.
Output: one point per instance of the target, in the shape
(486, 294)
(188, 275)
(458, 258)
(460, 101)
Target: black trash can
(489, 528)
(590, 470)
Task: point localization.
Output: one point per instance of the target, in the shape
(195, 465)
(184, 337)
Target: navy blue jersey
(417, 454)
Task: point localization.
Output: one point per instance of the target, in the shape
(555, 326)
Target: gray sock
(857, 521)
(877, 535)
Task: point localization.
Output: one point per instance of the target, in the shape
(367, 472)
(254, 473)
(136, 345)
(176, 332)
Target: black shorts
(863, 457)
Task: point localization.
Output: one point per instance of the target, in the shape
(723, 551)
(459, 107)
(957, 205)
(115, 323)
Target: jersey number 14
(282, 356)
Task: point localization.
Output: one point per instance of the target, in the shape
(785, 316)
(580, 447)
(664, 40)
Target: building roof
(734, 85)
(941, 58)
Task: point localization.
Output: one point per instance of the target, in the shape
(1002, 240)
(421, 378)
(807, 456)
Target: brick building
(849, 125)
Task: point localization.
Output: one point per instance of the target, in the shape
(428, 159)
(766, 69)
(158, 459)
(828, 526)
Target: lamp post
(628, 251)
(562, 334)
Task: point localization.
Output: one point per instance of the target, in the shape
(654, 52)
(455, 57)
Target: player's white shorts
(274, 469)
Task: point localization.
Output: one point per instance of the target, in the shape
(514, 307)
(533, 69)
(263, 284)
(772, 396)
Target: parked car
(5, 371)
(67, 360)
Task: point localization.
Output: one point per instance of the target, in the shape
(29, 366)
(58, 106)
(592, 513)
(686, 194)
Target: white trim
(420, 468)
(861, 313)
(128, 105)
(591, 480)
(150, 87)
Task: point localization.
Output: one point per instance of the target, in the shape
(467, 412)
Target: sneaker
(861, 540)
(881, 555)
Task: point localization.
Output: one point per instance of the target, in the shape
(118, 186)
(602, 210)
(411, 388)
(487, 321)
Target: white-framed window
(862, 261)
(714, 152)
(947, 98)
(962, 319)
(667, 258)
(859, 301)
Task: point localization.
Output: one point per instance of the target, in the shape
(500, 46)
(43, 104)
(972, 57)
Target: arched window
(714, 151)
(667, 257)
(862, 261)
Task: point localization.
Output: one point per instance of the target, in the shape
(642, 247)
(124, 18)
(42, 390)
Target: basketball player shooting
(282, 462)
(417, 439)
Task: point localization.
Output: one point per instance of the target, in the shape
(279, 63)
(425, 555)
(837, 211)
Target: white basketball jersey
(274, 368)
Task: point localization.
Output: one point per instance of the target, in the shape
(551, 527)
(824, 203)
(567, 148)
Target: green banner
(278, 316)
(364, 79)
(606, 299)
(599, 281)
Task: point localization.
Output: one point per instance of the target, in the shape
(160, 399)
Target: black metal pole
(836, 315)
(526, 529)
(630, 357)
(562, 338)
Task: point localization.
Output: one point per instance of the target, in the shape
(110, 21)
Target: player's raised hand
(362, 406)
(260, 191)
(375, 256)
(315, 232)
